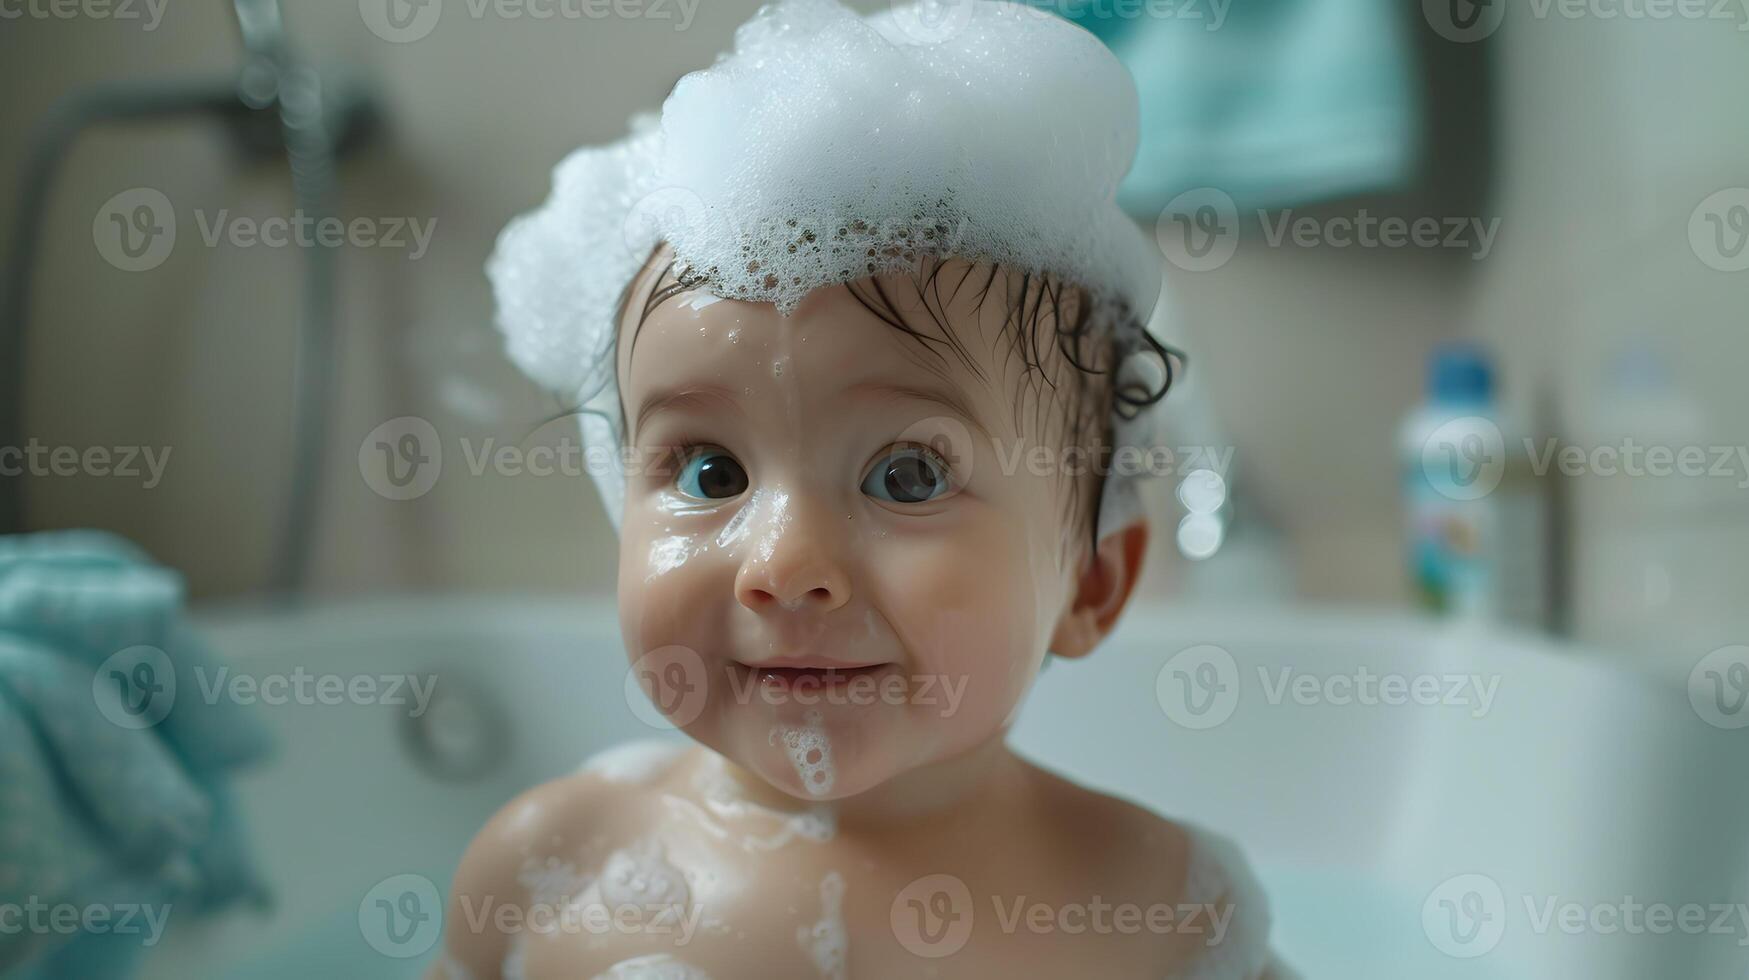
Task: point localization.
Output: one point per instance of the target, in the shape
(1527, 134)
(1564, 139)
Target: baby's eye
(711, 474)
(908, 474)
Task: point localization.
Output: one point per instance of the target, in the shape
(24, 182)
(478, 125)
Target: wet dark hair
(1095, 342)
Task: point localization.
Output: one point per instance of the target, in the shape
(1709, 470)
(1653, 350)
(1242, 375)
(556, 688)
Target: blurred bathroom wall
(1598, 142)
(195, 355)
(1625, 163)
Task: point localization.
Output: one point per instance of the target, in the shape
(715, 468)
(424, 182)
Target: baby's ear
(1107, 580)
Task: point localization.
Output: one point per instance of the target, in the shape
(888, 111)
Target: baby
(841, 564)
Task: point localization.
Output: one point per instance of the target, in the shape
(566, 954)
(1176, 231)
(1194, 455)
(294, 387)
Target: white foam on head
(826, 147)
(638, 761)
(1002, 131)
(1003, 138)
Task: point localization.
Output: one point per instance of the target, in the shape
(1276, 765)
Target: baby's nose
(792, 563)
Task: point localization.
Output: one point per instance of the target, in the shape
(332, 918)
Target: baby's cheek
(664, 579)
(967, 613)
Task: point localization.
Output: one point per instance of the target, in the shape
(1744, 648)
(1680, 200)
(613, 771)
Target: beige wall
(1613, 134)
(1608, 134)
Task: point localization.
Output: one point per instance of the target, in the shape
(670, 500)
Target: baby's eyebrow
(704, 397)
(715, 398)
(946, 398)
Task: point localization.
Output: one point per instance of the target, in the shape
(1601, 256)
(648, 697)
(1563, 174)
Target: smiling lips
(811, 671)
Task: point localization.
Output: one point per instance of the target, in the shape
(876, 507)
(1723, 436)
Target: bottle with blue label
(1477, 541)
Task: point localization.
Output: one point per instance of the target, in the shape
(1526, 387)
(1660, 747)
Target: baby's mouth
(818, 675)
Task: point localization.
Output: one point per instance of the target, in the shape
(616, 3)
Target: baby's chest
(688, 910)
(650, 912)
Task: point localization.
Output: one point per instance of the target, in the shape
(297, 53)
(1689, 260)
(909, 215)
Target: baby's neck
(963, 787)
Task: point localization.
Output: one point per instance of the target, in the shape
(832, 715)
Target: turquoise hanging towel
(1274, 102)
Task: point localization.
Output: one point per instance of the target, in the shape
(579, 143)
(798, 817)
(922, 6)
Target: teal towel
(1274, 102)
(113, 766)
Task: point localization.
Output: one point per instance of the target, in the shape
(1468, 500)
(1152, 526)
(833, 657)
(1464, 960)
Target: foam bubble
(825, 147)
(659, 966)
(641, 876)
(638, 761)
(552, 881)
(825, 135)
(827, 941)
(810, 751)
(817, 824)
(514, 960)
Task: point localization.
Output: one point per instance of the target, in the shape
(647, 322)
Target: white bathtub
(1580, 784)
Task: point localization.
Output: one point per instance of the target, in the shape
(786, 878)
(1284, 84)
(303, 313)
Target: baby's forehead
(828, 346)
(831, 332)
(962, 321)
(973, 336)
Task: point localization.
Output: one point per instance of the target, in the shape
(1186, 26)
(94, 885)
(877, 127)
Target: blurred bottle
(1652, 510)
(1478, 545)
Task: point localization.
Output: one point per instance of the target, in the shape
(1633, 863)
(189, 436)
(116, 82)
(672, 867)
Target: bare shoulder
(538, 832)
(572, 814)
(1197, 901)
(1120, 841)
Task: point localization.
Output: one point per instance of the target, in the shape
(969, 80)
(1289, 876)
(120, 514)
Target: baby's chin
(820, 754)
(819, 748)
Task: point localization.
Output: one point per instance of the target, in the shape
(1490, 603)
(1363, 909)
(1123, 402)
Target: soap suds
(514, 959)
(667, 554)
(827, 941)
(736, 528)
(810, 751)
(552, 881)
(638, 761)
(726, 804)
(826, 147)
(641, 876)
(659, 966)
(641, 881)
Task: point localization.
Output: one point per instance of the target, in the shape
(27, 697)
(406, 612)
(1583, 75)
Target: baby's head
(900, 477)
(863, 312)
